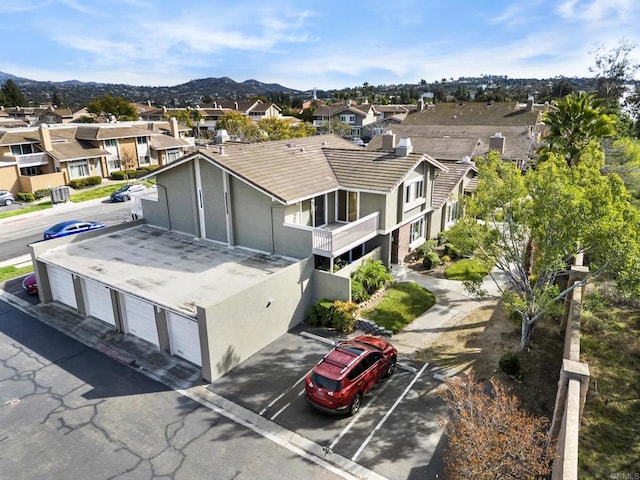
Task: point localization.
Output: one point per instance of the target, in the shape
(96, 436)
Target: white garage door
(140, 319)
(62, 286)
(99, 302)
(184, 337)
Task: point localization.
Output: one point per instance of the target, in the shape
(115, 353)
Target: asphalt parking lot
(395, 434)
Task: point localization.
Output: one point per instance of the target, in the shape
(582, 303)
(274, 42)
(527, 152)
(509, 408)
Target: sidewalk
(452, 304)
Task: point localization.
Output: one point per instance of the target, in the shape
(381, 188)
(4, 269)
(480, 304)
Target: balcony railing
(336, 239)
(31, 159)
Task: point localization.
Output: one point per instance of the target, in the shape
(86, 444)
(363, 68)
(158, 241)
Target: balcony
(337, 238)
(31, 159)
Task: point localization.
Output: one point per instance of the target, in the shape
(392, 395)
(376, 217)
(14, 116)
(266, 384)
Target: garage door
(99, 302)
(184, 337)
(140, 319)
(61, 283)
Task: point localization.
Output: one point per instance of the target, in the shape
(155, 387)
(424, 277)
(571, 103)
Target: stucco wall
(214, 205)
(247, 322)
(251, 217)
(290, 241)
(178, 185)
(9, 179)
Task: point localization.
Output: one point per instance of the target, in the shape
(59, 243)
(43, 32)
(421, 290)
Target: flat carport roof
(174, 270)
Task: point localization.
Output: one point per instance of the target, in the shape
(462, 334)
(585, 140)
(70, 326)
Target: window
(319, 211)
(113, 164)
(111, 143)
(416, 231)
(413, 193)
(144, 160)
(78, 169)
(453, 210)
(31, 171)
(141, 140)
(173, 155)
(348, 118)
(24, 149)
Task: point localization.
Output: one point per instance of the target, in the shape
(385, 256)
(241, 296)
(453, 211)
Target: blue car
(71, 227)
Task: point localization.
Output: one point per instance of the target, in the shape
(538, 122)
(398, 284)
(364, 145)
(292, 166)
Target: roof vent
(404, 147)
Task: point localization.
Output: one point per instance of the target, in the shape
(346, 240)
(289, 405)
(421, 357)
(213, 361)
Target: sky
(300, 44)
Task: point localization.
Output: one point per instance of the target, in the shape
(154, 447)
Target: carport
(208, 303)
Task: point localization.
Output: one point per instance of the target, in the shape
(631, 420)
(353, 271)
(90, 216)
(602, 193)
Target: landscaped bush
(509, 363)
(26, 197)
(44, 192)
(431, 260)
(119, 175)
(358, 293)
(344, 316)
(425, 248)
(320, 313)
(85, 182)
(451, 250)
(373, 275)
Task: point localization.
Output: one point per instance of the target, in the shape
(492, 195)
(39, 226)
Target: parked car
(71, 227)
(359, 142)
(123, 194)
(6, 198)
(339, 381)
(30, 284)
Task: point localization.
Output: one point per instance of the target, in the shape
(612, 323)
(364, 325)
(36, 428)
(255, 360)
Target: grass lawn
(466, 269)
(21, 211)
(9, 272)
(93, 193)
(401, 304)
(610, 428)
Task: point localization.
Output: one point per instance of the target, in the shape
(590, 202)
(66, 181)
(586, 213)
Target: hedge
(26, 197)
(85, 182)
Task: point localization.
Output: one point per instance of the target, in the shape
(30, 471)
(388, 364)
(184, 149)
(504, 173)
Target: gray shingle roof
(447, 181)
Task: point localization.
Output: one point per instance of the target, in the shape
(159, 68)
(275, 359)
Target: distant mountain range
(75, 92)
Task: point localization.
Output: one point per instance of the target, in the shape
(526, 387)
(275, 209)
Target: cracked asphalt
(69, 412)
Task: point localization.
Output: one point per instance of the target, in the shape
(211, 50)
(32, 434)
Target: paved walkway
(452, 304)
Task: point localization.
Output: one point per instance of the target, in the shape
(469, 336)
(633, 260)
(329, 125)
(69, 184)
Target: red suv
(338, 382)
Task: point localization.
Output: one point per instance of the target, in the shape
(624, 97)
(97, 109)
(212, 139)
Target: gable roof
(446, 182)
(104, 132)
(475, 113)
(301, 168)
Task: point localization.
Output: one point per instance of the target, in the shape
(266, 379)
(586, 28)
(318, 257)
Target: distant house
(36, 158)
(358, 117)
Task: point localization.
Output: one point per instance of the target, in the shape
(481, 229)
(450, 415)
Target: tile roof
(297, 169)
(446, 182)
(103, 132)
(15, 137)
(164, 142)
(475, 113)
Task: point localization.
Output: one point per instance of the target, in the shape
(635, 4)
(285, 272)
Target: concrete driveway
(395, 434)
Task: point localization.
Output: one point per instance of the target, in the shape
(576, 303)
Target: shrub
(344, 316)
(425, 248)
(84, 182)
(358, 293)
(44, 192)
(445, 259)
(451, 250)
(373, 275)
(26, 197)
(320, 314)
(509, 363)
(119, 175)
(431, 260)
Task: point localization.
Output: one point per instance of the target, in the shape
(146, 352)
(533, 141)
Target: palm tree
(577, 119)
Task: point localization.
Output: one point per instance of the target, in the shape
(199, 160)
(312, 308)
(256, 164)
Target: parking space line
(389, 412)
(355, 418)
(285, 407)
(273, 402)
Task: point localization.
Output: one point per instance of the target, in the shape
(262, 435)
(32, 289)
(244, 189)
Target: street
(67, 411)
(19, 231)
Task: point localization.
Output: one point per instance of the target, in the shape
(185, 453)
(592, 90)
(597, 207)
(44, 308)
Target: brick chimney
(173, 124)
(496, 142)
(45, 137)
(404, 147)
(388, 141)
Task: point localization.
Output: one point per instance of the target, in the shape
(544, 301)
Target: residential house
(358, 117)
(241, 239)
(36, 158)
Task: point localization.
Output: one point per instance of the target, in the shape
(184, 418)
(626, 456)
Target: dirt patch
(478, 340)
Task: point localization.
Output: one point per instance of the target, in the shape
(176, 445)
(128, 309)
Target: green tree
(281, 129)
(577, 119)
(336, 127)
(623, 158)
(11, 95)
(563, 211)
(116, 106)
(241, 127)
